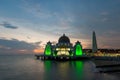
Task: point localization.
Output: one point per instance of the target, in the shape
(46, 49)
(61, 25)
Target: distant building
(94, 43)
(63, 47)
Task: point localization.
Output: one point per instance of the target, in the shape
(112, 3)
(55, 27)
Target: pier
(62, 57)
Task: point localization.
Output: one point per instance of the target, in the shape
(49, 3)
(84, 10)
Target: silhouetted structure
(94, 43)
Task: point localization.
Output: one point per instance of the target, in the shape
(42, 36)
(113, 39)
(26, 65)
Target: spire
(94, 43)
(63, 34)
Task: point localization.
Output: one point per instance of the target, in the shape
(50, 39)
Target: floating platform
(62, 57)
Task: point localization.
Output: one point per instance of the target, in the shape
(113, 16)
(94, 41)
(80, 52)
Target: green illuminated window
(48, 49)
(78, 50)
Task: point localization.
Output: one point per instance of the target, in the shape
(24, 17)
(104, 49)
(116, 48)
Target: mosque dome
(64, 39)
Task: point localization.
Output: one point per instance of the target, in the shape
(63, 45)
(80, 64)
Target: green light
(48, 49)
(47, 65)
(47, 69)
(79, 65)
(79, 69)
(78, 50)
(71, 54)
(54, 55)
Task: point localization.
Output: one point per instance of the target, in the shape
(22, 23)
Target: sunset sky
(26, 25)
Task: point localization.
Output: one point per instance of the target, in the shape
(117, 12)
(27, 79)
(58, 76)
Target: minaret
(94, 43)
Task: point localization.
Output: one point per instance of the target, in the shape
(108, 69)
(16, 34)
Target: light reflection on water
(26, 67)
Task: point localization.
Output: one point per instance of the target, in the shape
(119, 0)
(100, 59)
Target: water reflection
(28, 68)
(78, 72)
(63, 70)
(72, 70)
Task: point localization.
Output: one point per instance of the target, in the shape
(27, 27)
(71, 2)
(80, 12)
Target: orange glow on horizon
(39, 50)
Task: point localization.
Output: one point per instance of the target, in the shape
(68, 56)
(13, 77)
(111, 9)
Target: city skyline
(26, 25)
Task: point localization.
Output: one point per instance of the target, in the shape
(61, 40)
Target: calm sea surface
(26, 67)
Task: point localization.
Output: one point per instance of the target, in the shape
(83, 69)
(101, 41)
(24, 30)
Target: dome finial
(64, 39)
(64, 34)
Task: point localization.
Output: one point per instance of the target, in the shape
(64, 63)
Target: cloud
(37, 44)
(109, 40)
(28, 37)
(36, 9)
(8, 25)
(105, 13)
(16, 46)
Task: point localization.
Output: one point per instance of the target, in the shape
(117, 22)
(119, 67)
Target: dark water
(26, 67)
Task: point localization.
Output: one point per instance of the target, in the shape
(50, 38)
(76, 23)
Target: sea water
(26, 67)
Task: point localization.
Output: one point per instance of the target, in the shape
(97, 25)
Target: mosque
(63, 48)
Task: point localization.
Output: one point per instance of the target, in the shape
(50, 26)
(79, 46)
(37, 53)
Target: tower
(48, 49)
(94, 43)
(78, 49)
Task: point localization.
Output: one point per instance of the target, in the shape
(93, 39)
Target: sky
(27, 25)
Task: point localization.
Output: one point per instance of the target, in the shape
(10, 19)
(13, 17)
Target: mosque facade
(63, 48)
